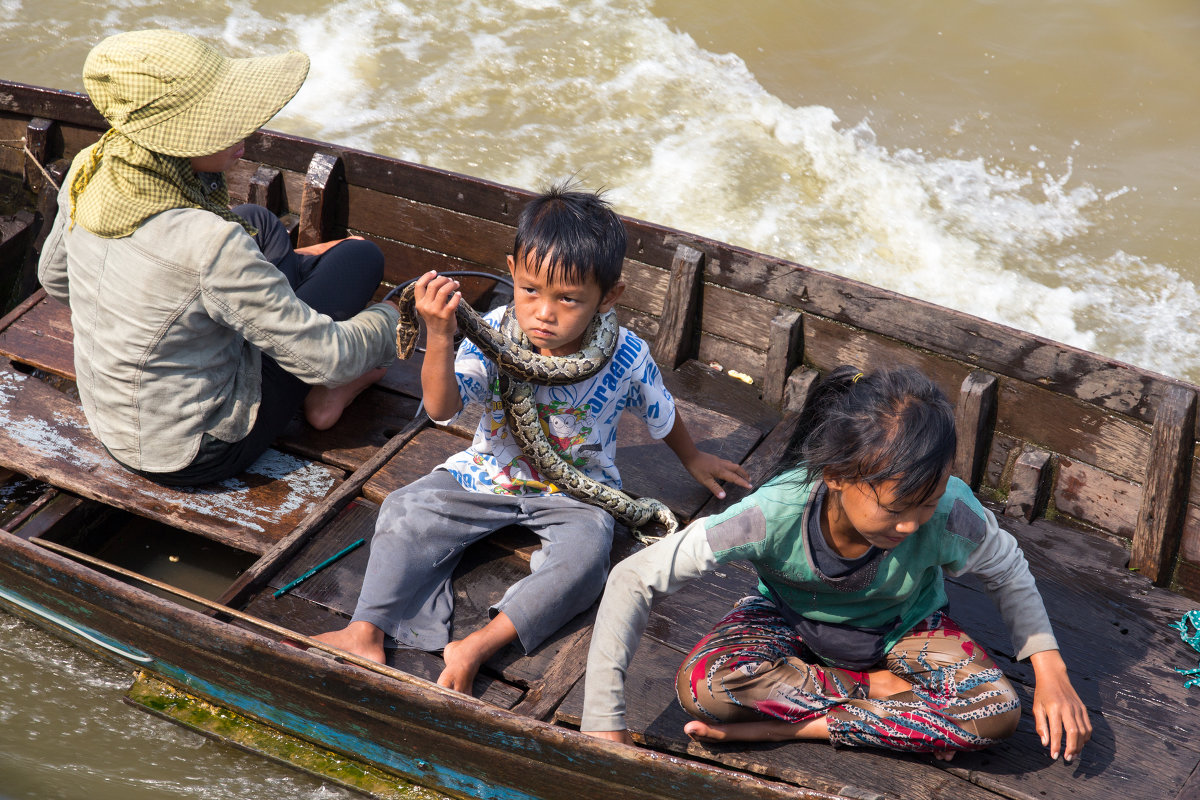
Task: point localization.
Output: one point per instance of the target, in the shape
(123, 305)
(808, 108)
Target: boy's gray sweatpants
(421, 533)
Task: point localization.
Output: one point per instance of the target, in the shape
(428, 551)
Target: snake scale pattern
(520, 367)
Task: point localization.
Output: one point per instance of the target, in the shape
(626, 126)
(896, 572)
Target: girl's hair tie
(856, 377)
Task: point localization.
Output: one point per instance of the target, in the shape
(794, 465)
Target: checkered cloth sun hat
(173, 94)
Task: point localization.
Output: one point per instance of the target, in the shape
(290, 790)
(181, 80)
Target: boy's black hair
(574, 234)
(871, 428)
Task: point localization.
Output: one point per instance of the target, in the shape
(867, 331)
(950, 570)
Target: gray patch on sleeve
(966, 523)
(748, 527)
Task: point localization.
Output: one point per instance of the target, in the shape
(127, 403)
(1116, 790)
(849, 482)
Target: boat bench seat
(43, 434)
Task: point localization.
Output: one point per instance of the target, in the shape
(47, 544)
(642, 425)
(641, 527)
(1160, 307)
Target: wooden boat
(1089, 461)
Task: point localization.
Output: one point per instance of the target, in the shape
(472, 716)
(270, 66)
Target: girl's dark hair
(573, 234)
(871, 428)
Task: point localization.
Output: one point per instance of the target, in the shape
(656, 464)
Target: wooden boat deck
(1111, 623)
(1092, 459)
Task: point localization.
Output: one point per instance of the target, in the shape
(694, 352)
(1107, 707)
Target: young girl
(848, 639)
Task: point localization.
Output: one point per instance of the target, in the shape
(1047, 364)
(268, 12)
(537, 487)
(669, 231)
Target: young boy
(566, 268)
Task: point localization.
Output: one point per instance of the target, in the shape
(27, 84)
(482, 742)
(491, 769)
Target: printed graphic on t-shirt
(578, 420)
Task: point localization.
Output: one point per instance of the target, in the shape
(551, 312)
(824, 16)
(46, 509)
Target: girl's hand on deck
(622, 736)
(1059, 715)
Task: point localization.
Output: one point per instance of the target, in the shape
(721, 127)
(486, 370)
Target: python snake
(520, 367)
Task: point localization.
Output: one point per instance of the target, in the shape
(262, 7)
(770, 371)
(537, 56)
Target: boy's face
(555, 315)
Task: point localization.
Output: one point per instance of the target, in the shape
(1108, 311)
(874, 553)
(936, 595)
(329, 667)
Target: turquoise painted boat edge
(95, 637)
(418, 770)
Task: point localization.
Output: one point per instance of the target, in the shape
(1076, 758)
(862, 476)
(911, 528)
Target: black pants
(339, 283)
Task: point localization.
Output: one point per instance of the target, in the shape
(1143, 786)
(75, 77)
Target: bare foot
(360, 638)
(944, 755)
(462, 664)
(464, 658)
(324, 405)
(766, 731)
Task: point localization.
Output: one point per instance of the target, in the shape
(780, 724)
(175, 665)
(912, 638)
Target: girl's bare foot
(324, 405)
(944, 755)
(360, 638)
(765, 731)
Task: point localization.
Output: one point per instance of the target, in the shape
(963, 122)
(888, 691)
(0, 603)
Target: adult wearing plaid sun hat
(199, 331)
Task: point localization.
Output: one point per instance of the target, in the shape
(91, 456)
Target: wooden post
(676, 340)
(975, 419)
(799, 384)
(318, 204)
(1029, 491)
(266, 189)
(1165, 491)
(785, 350)
(38, 137)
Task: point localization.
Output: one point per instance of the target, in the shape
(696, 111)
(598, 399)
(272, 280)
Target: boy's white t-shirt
(580, 419)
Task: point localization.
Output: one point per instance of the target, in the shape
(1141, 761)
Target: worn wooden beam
(40, 136)
(785, 350)
(318, 203)
(1164, 493)
(266, 189)
(679, 325)
(1029, 490)
(975, 418)
(799, 383)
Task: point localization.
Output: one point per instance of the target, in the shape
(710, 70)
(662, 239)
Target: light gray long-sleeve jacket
(170, 324)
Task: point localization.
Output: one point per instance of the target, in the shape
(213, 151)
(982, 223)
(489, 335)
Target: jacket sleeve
(1002, 567)
(661, 569)
(52, 265)
(245, 292)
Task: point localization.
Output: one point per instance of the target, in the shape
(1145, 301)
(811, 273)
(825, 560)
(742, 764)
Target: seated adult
(199, 331)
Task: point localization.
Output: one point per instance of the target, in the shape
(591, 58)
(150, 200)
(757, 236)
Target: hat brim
(247, 93)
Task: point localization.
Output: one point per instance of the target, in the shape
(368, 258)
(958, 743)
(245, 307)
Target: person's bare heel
(360, 638)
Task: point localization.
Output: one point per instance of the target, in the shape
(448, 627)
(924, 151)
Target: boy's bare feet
(464, 657)
(324, 405)
(360, 638)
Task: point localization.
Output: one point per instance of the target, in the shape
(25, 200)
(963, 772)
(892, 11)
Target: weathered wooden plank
(975, 419)
(676, 340)
(785, 350)
(1094, 603)
(369, 422)
(266, 189)
(1029, 490)
(1164, 493)
(1097, 497)
(321, 206)
(40, 335)
(43, 434)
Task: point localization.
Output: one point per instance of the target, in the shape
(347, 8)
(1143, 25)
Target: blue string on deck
(1189, 630)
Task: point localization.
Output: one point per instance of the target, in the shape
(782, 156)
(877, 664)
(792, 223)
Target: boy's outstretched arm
(437, 298)
(706, 468)
(1059, 715)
